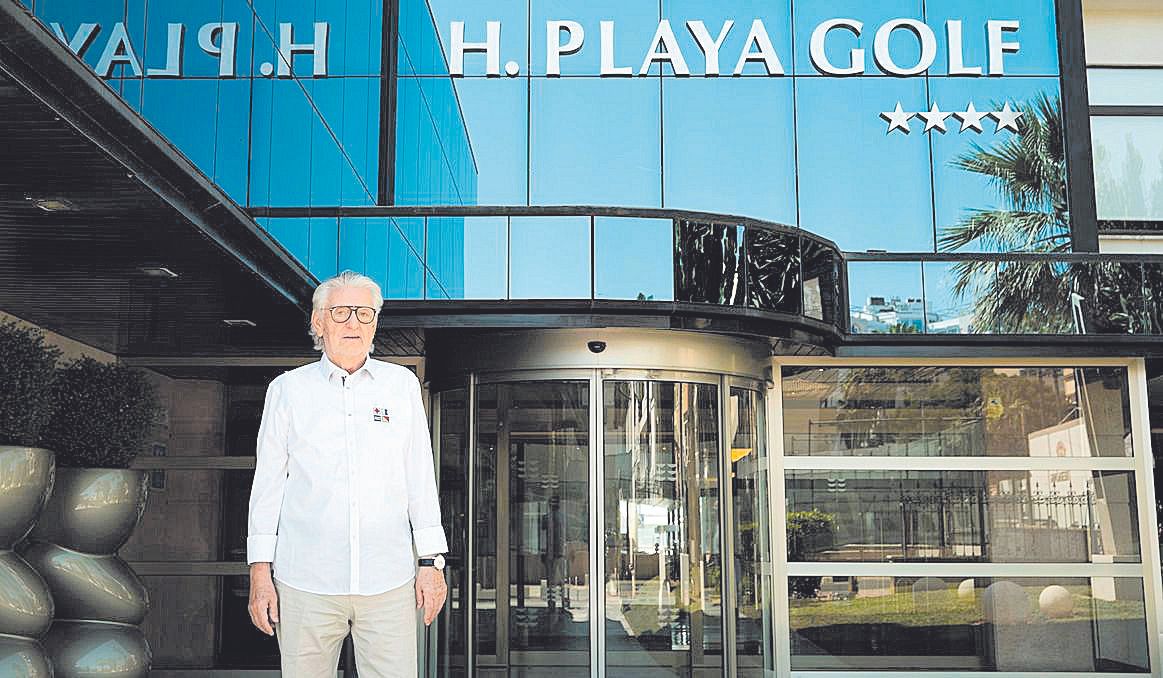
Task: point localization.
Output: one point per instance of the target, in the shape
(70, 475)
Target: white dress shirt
(344, 482)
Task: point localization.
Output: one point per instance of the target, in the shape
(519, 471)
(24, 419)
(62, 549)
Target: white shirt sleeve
(423, 501)
(270, 478)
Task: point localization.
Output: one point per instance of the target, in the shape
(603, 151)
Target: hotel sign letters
(217, 40)
(566, 38)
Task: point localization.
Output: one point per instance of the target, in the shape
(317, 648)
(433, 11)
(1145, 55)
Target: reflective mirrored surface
(968, 624)
(664, 560)
(963, 516)
(956, 412)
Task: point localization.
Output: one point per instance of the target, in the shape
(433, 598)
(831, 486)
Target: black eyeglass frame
(350, 310)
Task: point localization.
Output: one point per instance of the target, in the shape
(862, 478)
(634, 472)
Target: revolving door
(604, 521)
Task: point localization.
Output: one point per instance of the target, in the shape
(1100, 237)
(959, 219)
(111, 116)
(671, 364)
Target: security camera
(596, 346)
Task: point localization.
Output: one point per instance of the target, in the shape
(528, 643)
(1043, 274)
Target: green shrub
(27, 369)
(102, 414)
(807, 532)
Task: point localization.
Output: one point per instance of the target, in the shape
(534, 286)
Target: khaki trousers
(312, 627)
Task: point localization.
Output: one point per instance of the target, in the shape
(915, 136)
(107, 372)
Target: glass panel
(532, 503)
(1153, 298)
(840, 42)
(635, 22)
(663, 558)
(1128, 167)
(752, 170)
(313, 241)
(486, 531)
(1125, 86)
(486, 257)
(405, 256)
(776, 17)
(707, 262)
(1037, 34)
(821, 265)
(546, 427)
(550, 258)
(752, 512)
(595, 141)
(859, 186)
(953, 292)
(434, 162)
(496, 114)
(422, 48)
(444, 253)
(963, 516)
(1044, 297)
(885, 297)
(773, 270)
(957, 412)
(969, 624)
(633, 259)
(452, 447)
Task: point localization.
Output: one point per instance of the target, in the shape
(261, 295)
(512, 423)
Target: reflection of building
(647, 310)
(881, 314)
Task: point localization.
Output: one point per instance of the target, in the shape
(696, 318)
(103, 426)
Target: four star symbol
(898, 118)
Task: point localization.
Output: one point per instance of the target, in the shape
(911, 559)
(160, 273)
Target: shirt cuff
(260, 548)
(430, 540)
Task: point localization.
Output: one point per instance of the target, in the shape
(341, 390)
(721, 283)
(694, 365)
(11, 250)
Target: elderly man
(343, 488)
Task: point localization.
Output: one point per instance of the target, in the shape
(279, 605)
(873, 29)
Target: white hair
(323, 293)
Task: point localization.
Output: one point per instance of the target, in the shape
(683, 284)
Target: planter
(99, 599)
(26, 606)
(90, 649)
(85, 586)
(26, 474)
(93, 510)
(23, 657)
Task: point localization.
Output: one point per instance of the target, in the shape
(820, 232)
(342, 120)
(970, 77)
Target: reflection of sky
(956, 190)
(632, 258)
(726, 144)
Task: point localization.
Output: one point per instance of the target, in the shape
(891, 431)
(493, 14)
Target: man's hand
(264, 602)
(430, 592)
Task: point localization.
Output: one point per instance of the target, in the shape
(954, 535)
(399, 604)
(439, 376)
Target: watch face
(438, 562)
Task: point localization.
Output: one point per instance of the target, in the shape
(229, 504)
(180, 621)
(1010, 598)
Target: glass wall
(910, 491)
(278, 102)
(879, 131)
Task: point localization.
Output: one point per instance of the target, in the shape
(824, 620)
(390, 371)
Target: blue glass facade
(802, 146)
(795, 129)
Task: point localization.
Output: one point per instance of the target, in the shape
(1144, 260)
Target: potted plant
(27, 368)
(102, 416)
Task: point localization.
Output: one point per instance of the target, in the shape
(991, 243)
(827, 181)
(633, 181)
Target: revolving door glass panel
(531, 527)
(663, 557)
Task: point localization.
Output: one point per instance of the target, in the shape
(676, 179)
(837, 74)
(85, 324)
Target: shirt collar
(330, 370)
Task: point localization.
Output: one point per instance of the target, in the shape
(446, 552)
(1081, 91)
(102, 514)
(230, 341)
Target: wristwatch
(437, 562)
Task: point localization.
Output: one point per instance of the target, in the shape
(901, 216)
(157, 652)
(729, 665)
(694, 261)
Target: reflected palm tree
(1028, 170)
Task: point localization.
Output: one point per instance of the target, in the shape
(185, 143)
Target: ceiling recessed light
(239, 322)
(158, 272)
(52, 204)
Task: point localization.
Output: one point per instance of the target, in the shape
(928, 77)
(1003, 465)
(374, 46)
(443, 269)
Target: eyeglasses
(364, 314)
